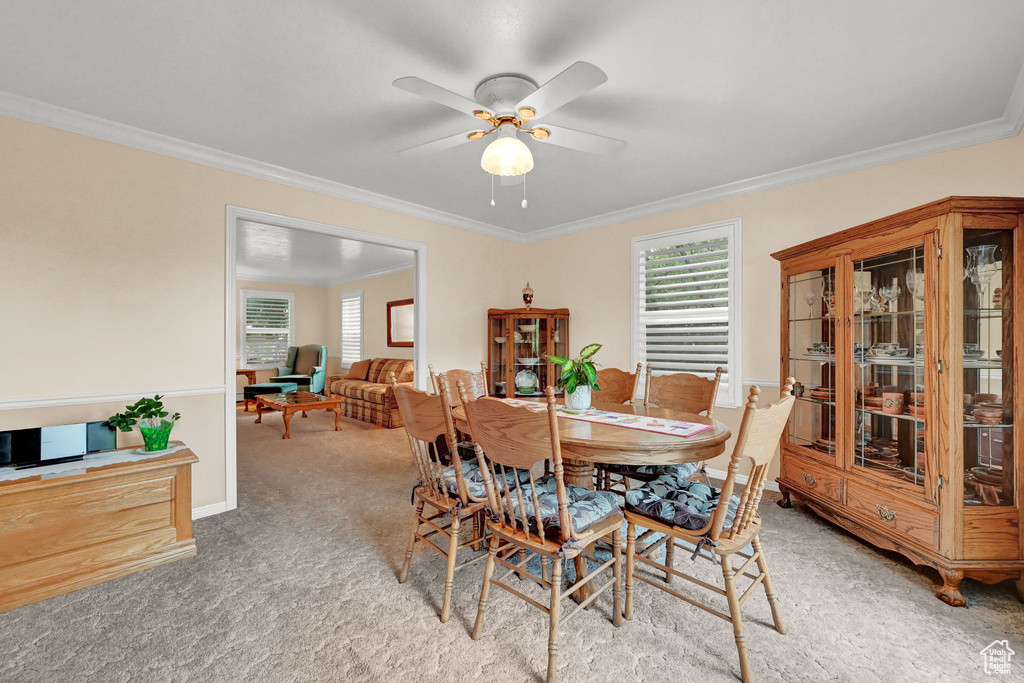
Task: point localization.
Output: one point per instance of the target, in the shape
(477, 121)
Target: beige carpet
(299, 584)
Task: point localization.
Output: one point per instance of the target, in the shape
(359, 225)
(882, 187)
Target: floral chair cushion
(681, 471)
(677, 501)
(475, 479)
(586, 507)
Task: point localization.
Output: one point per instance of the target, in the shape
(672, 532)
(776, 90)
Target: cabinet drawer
(894, 513)
(812, 476)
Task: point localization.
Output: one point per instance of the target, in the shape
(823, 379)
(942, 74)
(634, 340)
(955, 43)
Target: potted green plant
(152, 421)
(579, 377)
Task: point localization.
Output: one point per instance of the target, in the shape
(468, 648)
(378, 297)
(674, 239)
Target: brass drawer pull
(885, 512)
(811, 481)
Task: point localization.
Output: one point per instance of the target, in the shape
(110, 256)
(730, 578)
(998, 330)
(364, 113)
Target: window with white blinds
(267, 318)
(351, 327)
(686, 313)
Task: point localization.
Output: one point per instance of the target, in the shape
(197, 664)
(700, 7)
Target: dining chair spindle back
(443, 486)
(538, 516)
(617, 386)
(666, 506)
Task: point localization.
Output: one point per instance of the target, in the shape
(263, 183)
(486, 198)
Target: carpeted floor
(299, 584)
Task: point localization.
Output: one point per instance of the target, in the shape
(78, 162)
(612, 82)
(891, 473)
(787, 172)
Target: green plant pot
(156, 438)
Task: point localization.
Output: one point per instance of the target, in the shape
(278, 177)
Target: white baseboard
(209, 510)
(770, 485)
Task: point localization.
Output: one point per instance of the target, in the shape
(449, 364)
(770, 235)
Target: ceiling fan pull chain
(492, 189)
(524, 190)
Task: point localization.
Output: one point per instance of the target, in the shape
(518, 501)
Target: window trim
(351, 294)
(730, 396)
(247, 294)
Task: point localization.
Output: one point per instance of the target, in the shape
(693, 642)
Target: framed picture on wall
(400, 323)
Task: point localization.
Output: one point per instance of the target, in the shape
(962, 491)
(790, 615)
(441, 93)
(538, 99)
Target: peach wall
(310, 316)
(598, 294)
(113, 277)
(377, 292)
(114, 271)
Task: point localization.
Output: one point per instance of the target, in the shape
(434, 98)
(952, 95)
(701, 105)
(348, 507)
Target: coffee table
(296, 402)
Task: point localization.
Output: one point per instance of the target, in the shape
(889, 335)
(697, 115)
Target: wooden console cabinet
(73, 530)
(902, 335)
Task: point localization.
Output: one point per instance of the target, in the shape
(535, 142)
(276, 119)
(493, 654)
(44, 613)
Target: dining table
(586, 443)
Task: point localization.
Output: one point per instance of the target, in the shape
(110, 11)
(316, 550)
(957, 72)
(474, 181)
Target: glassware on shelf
(810, 296)
(866, 298)
(915, 282)
(889, 294)
(981, 268)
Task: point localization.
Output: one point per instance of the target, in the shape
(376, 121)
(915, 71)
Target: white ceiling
(268, 253)
(707, 94)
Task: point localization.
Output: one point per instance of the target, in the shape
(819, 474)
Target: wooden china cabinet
(901, 335)
(519, 342)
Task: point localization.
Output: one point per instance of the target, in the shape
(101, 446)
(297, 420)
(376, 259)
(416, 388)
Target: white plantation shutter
(267, 318)
(351, 327)
(686, 312)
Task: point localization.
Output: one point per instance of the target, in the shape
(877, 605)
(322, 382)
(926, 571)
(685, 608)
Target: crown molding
(33, 111)
(996, 129)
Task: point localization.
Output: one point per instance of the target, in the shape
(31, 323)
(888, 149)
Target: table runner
(645, 423)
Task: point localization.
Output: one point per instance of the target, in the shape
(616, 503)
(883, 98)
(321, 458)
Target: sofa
(368, 391)
(305, 365)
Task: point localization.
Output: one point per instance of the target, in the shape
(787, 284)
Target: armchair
(309, 361)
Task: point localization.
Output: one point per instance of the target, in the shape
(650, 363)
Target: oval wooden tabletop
(612, 444)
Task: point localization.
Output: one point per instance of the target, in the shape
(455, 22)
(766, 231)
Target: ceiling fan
(511, 104)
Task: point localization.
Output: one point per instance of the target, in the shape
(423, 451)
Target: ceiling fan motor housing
(501, 93)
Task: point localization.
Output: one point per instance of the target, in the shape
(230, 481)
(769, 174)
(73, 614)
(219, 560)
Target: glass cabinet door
(890, 379)
(530, 363)
(812, 334)
(988, 367)
(499, 338)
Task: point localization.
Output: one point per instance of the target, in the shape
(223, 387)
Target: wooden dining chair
(540, 517)
(681, 391)
(475, 381)
(448, 489)
(714, 524)
(617, 386)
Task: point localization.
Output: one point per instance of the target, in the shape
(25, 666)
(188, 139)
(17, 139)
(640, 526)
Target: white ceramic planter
(579, 399)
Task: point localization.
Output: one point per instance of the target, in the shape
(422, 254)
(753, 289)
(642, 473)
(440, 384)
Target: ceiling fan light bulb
(525, 204)
(507, 156)
(492, 202)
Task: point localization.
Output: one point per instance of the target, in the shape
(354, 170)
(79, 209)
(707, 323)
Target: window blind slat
(268, 321)
(351, 327)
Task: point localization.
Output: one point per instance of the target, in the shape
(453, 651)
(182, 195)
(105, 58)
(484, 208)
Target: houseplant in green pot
(579, 377)
(150, 418)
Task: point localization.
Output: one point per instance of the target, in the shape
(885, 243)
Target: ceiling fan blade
(580, 78)
(584, 142)
(437, 145)
(418, 86)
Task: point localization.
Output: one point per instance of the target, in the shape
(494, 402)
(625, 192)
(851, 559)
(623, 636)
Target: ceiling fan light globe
(507, 156)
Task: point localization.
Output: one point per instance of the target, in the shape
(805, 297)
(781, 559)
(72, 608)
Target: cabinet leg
(950, 590)
(785, 502)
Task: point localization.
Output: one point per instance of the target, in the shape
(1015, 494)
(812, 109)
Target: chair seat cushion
(683, 471)
(678, 501)
(364, 391)
(475, 479)
(586, 507)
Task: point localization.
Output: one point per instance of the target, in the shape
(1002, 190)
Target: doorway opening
(294, 288)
